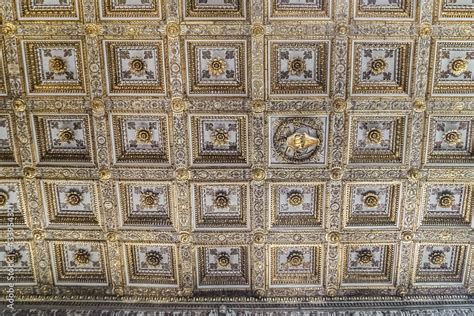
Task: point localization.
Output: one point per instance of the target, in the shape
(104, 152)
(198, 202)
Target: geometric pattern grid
(447, 204)
(450, 140)
(221, 206)
(381, 67)
(67, 10)
(71, 202)
(145, 205)
(237, 152)
(139, 139)
(63, 139)
(219, 139)
(221, 267)
(151, 264)
(384, 9)
(377, 140)
(135, 67)
(440, 263)
(374, 204)
(299, 10)
(295, 265)
(298, 68)
(212, 9)
(54, 67)
(453, 71)
(130, 9)
(457, 10)
(18, 257)
(368, 264)
(79, 263)
(296, 205)
(217, 67)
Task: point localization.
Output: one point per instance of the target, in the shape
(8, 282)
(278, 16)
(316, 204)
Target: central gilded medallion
(295, 199)
(148, 199)
(137, 66)
(371, 200)
(375, 136)
(223, 259)
(153, 258)
(82, 256)
(221, 200)
(144, 136)
(365, 256)
(446, 200)
(66, 135)
(297, 139)
(74, 198)
(3, 198)
(297, 66)
(295, 258)
(452, 137)
(457, 66)
(377, 66)
(57, 65)
(437, 257)
(217, 66)
(220, 137)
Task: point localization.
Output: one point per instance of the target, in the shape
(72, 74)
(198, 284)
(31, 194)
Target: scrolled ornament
(258, 174)
(173, 29)
(19, 105)
(182, 174)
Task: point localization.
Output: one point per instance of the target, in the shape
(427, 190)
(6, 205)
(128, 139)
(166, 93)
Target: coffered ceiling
(237, 150)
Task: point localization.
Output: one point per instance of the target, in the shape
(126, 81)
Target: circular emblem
(92, 29)
(258, 30)
(371, 200)
(217, 66)
(57, 65)
(436, 257)
(295, 258)
(297, 139)
(137, 66)
(419, 105)
(172, 29)
(258, 174)
(153, 258)
(221, 200)
(223, 259)
(458, 66)
(377, 66)
(297, 66)
(3, 198)
(74, 198)
(364, 256)
(148, 199)
(178, 105)
(446, 200)
(374, 136)
(82, 256)
(295, 199)
(452, 137)
(144, 136)
(407, 235)
(220, 137)
(66, 135)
